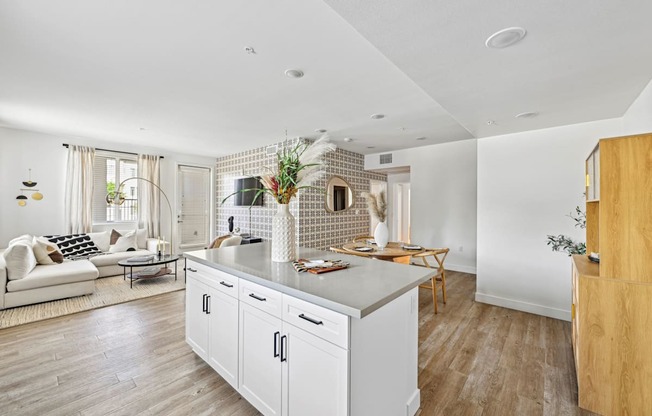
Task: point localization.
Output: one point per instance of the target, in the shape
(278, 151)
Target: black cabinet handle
(284, 353)
(191, 269)
(223, 283)
(203, 302)
(251, 295)
(208, 309)
(276, 334)
(309, 319)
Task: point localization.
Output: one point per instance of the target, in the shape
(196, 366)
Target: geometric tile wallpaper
(315, 226)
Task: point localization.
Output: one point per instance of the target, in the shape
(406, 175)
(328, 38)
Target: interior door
(193, 213)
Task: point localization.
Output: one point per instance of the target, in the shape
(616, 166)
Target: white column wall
(527, 185)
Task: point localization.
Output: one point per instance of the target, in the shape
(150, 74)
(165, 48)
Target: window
(109, 170)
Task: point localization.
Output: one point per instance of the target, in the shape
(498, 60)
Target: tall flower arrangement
(377, 205)
(297, 168)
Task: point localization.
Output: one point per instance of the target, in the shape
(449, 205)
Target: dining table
(395, 251)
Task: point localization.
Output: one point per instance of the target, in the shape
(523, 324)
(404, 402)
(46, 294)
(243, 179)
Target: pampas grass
(377, 205)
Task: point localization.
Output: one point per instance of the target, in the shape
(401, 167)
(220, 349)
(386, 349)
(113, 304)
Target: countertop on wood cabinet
(586, 267)
(357, 291)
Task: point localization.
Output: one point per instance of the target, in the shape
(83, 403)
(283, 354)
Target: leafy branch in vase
(566, 244)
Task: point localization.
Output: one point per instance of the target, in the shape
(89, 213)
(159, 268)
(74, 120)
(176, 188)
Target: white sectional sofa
(45, 282)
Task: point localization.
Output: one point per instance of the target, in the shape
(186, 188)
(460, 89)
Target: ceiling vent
(385, 158)
(271, 150)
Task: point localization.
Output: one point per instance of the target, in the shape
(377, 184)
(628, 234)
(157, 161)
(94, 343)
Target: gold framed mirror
(339, 195)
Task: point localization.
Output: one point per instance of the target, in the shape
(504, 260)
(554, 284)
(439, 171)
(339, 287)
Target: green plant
(566, 244)
(297, 168)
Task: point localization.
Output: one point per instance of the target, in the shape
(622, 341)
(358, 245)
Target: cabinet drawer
(263, 298)
(324, 323)
(217, 279)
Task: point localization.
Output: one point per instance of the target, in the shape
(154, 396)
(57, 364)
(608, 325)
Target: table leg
(124, 273)
(175, 270)
(131, 277)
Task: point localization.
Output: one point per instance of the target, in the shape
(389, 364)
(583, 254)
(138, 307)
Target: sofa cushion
(46, 252)
(124, 243)
(101, 239)
(55, 274)
(74, 245)
(20, 259)
(24, 237)
(114, 237)
(110, 259)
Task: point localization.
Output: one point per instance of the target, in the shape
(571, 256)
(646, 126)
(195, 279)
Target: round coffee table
(145, 261)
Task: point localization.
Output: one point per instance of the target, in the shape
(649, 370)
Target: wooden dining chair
(362, 238)
(439, 255)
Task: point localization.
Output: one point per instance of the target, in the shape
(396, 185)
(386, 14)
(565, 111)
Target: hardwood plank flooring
(131, 359)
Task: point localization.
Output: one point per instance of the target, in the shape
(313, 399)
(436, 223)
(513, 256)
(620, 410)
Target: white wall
(638, 118)
(443, 183)
(45, 155)
(527, 184)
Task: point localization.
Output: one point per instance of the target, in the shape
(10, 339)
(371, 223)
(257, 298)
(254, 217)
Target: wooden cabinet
(212, 319)
(612, 301)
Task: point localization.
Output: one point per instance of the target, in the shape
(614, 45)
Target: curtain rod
(114, 151)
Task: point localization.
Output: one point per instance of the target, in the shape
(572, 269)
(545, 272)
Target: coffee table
(155, 261)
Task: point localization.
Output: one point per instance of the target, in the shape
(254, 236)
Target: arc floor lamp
(116, 198)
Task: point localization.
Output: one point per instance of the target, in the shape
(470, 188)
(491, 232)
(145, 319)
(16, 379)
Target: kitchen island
(339, 343)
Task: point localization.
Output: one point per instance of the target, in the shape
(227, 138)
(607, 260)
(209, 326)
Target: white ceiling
(107, 69)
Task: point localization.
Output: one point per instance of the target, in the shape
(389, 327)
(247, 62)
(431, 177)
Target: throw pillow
(141, 238)
(101, 239)
(20, 260)
(24, 237)
(46, 252)
(75, 246)
(124, 243)
(114, 237)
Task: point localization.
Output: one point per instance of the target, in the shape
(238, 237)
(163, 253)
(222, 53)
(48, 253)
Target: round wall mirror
(339, 195)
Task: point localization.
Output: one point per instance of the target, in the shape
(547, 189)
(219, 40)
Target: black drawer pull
(191, 269)
(309, 319)
(284, 352)
(223, 283)
(276, 334)
(208, 309)
(251, 295)
(203, 302)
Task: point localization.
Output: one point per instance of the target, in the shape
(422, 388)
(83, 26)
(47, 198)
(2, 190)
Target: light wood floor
(131, 358)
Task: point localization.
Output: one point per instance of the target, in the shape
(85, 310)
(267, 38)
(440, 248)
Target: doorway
(193, 213)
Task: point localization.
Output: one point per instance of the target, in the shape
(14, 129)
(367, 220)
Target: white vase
(283, 240)
(381, 235)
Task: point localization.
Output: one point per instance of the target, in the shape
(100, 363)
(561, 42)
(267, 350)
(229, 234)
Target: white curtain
(149, 197)
(79, 189)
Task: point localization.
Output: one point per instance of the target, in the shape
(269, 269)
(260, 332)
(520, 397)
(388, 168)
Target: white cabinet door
(260, 364)
(315, 375)
(196, 317)
(223, 335)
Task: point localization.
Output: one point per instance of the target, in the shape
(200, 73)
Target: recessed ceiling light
(371, 147)
(294, 73)
(321, 130)
(528, 114)
(142, 128)
(421, 138)
(377, 116)
(250, 50)
(506, 37)
(490, 122)
(348, 139)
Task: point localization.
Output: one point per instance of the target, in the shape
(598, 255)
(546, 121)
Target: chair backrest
(349, 253)
(362, 238)
(438, 253)
(231, 241)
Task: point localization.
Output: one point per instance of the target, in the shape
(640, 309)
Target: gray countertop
(356, 291)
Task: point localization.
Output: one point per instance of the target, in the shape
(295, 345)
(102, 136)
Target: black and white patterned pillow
(75, 246)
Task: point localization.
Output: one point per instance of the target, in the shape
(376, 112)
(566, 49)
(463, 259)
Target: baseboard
(460, 268)
(414, 403)
(524, 306)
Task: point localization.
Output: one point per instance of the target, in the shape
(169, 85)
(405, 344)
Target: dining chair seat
(362, 238)
(439, 255)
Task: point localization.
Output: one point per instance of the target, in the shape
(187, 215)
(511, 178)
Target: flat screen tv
(245, 198)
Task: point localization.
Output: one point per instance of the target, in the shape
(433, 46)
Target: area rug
(108, 291)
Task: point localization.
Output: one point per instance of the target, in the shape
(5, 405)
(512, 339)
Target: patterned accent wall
(315, 227)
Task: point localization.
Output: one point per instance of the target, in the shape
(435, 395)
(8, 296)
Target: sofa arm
(153, 242)
(3, 280)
